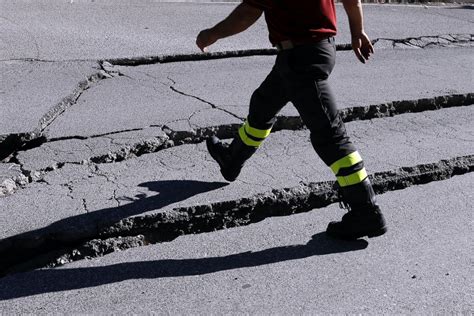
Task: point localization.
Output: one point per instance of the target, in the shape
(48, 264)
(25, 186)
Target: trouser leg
(266, 101)
(310, 93)
(329, 138)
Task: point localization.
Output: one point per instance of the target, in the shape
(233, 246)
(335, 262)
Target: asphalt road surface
(110, 203)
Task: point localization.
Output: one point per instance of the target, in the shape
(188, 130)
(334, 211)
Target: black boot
(231, 158)
(364, 217)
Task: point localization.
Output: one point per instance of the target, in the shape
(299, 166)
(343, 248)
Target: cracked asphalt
(110, 203)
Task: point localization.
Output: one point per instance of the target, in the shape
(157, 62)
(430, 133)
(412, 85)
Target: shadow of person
(85, 226)
(56, 280)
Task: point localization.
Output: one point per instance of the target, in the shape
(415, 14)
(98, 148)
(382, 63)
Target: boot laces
(342, 204)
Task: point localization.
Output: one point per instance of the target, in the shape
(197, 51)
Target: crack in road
(84, 206)
(79, 137)
(453, 40)
(448, 40)
(61, 243)
(214, 106)
(226, 131)
(69, 101)
(12, 143)
(178, 138)
(442, 40)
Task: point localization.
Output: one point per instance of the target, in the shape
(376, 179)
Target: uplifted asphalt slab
(31, 90)
(391, 74)
(281, 265)
(141, 107)
(65, 30)
(123, 103)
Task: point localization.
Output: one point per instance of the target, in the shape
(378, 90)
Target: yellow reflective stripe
(255, 132)
(352, 179)
(346, 161)
(247, 140)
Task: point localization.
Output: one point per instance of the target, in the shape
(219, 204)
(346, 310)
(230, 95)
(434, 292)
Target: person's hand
(204, 39)
(362, 47)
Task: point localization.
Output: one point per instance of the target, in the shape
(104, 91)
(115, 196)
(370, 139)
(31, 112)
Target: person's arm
(360, 41)
(239, 20)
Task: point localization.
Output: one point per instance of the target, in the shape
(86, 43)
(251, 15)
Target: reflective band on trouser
(352, 179)
(255, 132)
(247, 140)
(251, 136)
(346, 162)
(344, 165)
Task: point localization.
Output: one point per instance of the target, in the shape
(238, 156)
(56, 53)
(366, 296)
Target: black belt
(289, 44)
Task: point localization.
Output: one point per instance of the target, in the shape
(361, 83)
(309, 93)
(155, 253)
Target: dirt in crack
(58, 244)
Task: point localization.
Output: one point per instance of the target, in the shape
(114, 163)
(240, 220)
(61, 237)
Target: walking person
(303, 32)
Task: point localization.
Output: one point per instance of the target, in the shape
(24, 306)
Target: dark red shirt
(298, 20)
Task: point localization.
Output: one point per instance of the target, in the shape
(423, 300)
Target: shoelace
(342, 204)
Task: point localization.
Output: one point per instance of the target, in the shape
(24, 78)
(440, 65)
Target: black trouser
(300, 76)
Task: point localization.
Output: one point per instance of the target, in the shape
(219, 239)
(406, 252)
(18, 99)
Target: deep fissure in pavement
(226, 131)
(59, 244)
(426, 41)
(292, 123)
